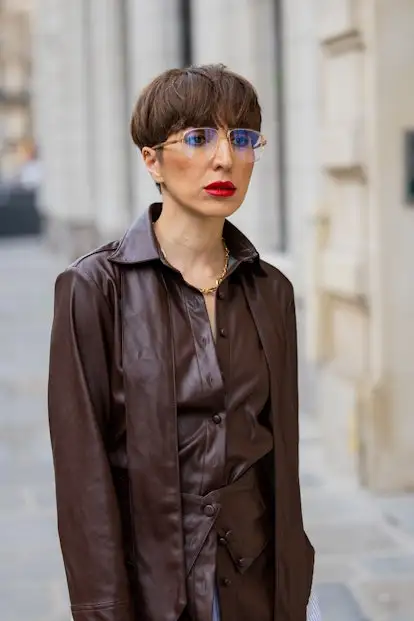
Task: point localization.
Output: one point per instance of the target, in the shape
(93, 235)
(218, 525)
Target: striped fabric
(313, 613)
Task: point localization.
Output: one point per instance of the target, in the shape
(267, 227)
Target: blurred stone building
(15, 83)
(328, 204)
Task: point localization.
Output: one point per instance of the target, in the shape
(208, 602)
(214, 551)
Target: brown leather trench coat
(111, 372)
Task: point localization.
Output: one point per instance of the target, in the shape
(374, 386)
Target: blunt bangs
(205, 96)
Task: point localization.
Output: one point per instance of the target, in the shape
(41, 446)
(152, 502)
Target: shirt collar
(139, 243)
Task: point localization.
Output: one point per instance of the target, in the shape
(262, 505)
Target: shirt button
(217, 419)
(222, 541)
(220, 295)
(226, 582)
(209, 510)
(223, 332)
(241, 562)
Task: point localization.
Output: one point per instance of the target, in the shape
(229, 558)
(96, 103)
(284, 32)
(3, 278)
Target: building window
(186, 33)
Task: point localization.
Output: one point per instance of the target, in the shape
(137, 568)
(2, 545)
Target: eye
(244, 138)
(196, 138)
(240, 139)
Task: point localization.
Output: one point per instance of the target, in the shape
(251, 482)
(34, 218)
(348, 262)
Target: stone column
(46, 102)
(301, 102)
(154, 45)
(300, 79)
(63, 99)
(109, 147)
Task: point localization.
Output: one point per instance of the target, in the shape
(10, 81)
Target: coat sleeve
(292, 410)
(79, 407)
(291, 400)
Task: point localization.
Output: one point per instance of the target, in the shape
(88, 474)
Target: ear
(152, 162)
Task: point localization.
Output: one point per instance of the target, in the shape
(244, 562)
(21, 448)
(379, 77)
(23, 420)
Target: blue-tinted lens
(200, 137)
(244, 138)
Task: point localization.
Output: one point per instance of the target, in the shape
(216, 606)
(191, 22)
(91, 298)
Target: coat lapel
(152, 446)
(270, 325)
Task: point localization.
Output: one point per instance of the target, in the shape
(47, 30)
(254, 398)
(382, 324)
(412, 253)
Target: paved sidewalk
(31, 572)
(364, 544)
(365, 547)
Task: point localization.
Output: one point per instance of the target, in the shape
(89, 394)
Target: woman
(173, 387)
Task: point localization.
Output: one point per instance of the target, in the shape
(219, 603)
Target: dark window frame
(283, 237)
(186, 33)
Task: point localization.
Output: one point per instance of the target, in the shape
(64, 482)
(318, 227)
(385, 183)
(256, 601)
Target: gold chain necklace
(219, 280)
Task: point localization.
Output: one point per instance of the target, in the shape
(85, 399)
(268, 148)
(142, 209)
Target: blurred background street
(331, 204)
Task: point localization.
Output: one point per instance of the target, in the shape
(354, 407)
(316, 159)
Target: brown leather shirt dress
(176, 455)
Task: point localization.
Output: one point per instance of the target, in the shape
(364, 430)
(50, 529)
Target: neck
(189, 240)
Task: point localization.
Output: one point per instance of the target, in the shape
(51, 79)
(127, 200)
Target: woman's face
(188, 170)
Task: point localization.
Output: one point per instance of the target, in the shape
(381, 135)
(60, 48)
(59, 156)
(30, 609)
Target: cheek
(181, 170)
(180, 165)
(243, 174)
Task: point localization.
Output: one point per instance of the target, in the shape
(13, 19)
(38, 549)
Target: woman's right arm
(79, 408)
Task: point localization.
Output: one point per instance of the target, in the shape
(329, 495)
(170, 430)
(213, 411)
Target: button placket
(221, 296)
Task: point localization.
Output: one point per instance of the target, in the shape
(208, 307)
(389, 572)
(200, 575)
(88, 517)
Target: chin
(219, 207)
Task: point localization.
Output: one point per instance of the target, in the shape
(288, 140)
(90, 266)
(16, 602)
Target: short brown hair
(197, 96)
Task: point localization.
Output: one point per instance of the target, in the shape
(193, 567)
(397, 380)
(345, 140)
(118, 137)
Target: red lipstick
(221, 189)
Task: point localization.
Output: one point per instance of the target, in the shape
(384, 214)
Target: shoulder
(95, 269)
(277, 283)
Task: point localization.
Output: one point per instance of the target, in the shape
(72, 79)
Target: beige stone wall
(363, 302)
(392, 427)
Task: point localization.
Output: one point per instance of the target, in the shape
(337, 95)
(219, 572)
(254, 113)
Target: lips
(221, 188)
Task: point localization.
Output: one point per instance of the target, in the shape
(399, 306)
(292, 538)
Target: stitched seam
(119, 246)
(98, 606)
(289, 309)
(106, 248)
(193, 333)
(131, 502)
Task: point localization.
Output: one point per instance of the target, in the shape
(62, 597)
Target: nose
(223, 156)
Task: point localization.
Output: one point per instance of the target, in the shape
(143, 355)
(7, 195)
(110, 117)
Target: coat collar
(139, 243)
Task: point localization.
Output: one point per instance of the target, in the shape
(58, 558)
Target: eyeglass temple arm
(163, 144)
